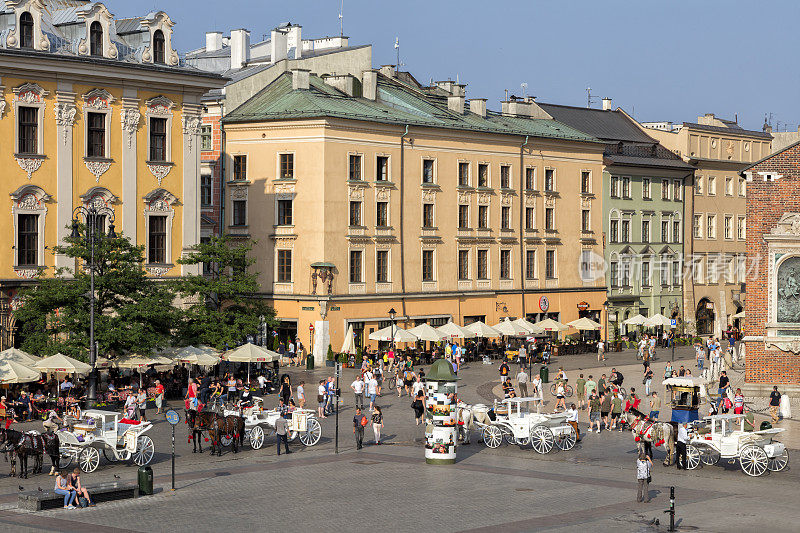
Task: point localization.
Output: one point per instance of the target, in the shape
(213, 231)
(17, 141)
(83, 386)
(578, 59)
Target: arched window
(158, 47)
(26, 30)
(96, 39)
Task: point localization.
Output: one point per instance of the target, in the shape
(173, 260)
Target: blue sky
(660, 60)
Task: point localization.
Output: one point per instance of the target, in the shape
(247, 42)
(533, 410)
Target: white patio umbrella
(635, 320)
(102, 362)
(657, 320)
(349, 344)
(196, 356)
(139, 363)
(527, 324)
(250, 353)
(510, 329)
(548, 324)
(739, 315)
(482, 330)
(400, 335)
(13, 372)
(61, 363)
(426, 332)
(585, 324)
(451, 329)
(18, 356)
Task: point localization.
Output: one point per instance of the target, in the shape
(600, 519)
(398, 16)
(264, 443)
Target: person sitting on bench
(74, 479)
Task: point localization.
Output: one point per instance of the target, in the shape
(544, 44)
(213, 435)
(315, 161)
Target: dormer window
(159, 46)
(26, 30)
(96, 39)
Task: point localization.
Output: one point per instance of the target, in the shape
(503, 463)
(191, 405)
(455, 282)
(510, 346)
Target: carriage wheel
(753, 460)
(89, 460)
(542, 439)
(257, 437)
(779, 462)
(144, 451)
(312, 433)
(709, 456)
(65, 458)
(508, 435)
(566, 438)
(110, 456)
(226, 440)
(692, 457)
(492, 436)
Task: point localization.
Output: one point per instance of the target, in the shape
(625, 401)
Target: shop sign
(583, 306)
(336, 308)
(308, 308)
(544, 304)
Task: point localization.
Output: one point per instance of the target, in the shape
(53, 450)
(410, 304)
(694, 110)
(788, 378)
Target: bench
(102, 492)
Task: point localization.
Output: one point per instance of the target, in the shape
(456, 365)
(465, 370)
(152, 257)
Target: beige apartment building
(365, 194)
(716, 226)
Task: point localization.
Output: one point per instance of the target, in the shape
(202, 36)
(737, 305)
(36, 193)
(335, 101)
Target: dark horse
(25, 444)
(217, 426)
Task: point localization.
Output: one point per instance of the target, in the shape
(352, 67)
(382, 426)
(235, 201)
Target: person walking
(358, 391)
(141, 404)
(648, 380)
(522, 382)
(159, 397)
(680, 445)
(560, 395)
(377, 423)
(655, 406)
(503, 371)
(580, 389)
(591, 386)
(724, 384)
(301, 394)
(643, 468)
(738, 403)
(605, 408)
(774, 404)
(281, 430)
(372, 392)
(398, 381)
(601, 351)
(572, 420)
(594, 411)
(321, 399)
(359, 421)
(616, 411)
(418, 406)
(538, 394)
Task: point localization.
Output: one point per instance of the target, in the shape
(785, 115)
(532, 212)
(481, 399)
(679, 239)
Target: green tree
(220, 306)
(132, 312)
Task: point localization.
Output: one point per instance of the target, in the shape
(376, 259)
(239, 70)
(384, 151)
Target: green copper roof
(441, 370)
(396, 104)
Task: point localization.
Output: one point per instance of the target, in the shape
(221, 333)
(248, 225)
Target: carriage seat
(101, 492)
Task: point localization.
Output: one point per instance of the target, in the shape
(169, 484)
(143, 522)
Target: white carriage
(104, 431)
(515, 424)
(724, 437)
(260, 423)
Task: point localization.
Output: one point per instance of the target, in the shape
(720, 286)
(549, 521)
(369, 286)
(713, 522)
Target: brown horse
(22, 444)
(198, 422)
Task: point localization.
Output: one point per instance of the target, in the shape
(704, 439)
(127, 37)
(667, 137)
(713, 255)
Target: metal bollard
(671, 509)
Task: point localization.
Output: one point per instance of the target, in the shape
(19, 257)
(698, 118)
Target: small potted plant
(330, 359)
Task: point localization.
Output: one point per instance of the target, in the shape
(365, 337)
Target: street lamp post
(605, 310)
(92, 216)
(392, 313)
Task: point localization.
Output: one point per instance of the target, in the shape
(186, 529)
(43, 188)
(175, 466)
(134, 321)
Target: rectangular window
(626, 274)
(665, 189)
(427, 216)
(549, 179)
(586, 182)
(712, 185)
(483, 175)
(158, 139)
(626, 187)
(463, 216)
(698, 186)
(614, 274)
(728, 226)
(677, 188)
(530, 264)
(355, 266)
(550, 264)
(505, 264)
(463, 174)
(157, 239)
(665, 231)
(355, 213)
(382, 214)
(614, 187)
(240, 212)
(613, 231)
(463, 264)
(96, 135)
(483, 264)
(483, 216)
(285, 266)
(646, 189)
(741, 232)
(664, 268)
(427, 265)
(205, 138)
(240, 167)
(382, 266)
(427, 171)
(530, 218)
(742, 187)
(530, 178)
(697, 226)
(549, 218)
(676, 232)
(646, 274)
(205, 190)
(585, 220)
(728, 186)
(711, 226)
(27, 240)
(381, 168)
(645, 231)
(505, 176)
(354, 171)
(287, 166)
(676, 273)
(285, 217)
(626, 231)
(505, 217)
(28, 130)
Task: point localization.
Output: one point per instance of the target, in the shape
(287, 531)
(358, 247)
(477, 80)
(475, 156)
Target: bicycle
(568, 390)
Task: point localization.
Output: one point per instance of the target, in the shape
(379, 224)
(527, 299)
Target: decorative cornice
(65, 117)
(792, 345)
(130, 122)
(191, 127)
(98, 168)
(159, 171)
(29, 164)
(157, 271)
(27, 273)
(98, 99)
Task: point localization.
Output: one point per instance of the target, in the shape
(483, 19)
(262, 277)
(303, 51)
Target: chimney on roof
(455, 103)
(446, 85)
(607, 104)
(294, 41)
(278, 45)
(369, 84)
(300, 78)
(240, 48)
(213, 41)
(347, 83)
(478, 106)
(388, 71)
(523, 108)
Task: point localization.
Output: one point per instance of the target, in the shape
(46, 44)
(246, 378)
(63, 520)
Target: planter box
(330, 363)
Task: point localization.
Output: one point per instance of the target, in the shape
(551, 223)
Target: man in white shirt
(522, 382)
(372, 391)
(358, 389)
(572, 420)
(601, 351)
(262, 383)
(683, 437)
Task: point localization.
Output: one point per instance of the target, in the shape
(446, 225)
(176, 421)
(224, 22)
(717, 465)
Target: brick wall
(766, 203)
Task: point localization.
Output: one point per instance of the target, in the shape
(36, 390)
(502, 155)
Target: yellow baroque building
(370, 193)
(99, 111)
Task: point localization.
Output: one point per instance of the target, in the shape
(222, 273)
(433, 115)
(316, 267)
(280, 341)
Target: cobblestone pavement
(391, 488)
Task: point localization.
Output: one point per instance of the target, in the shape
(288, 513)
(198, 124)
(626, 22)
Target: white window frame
(349, 256)
(677, 190)
(712, 186)
(555, 180)
(510, 176)
(99, 101)
(665, 193)
(711, 226)
(554, 225)
(434, 177)
(510, 262)
(291, 272)
(159, 202)
(434, 277)
(535, 264)
(362, 173)
(388, 212)
(614, 187)
(388, 167)
(555, 263)
(626, 180)
(698, 229)
(726, 217)
(488, 264)
(488, 166)
(729, 179)
(388, 265)
(699, 185)
(646, 192)
(458, 172)
(741, 236)
(30, 200)
(161, 107)
(742, 186)
(533, 169)
(278, 165)
(30, 95)
(591, 189)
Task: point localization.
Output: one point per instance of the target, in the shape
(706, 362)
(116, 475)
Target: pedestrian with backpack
(359, 422)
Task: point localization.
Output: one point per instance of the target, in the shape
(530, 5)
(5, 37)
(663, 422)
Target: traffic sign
(673, 323)
(173, 417)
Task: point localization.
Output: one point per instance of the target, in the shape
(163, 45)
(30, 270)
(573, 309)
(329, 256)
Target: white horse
(657, 433)
(466, 416)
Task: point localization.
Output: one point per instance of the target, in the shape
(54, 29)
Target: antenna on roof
(524, 86)
(397, 49)
(506, 95)
(341, 20)
(589, 97)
